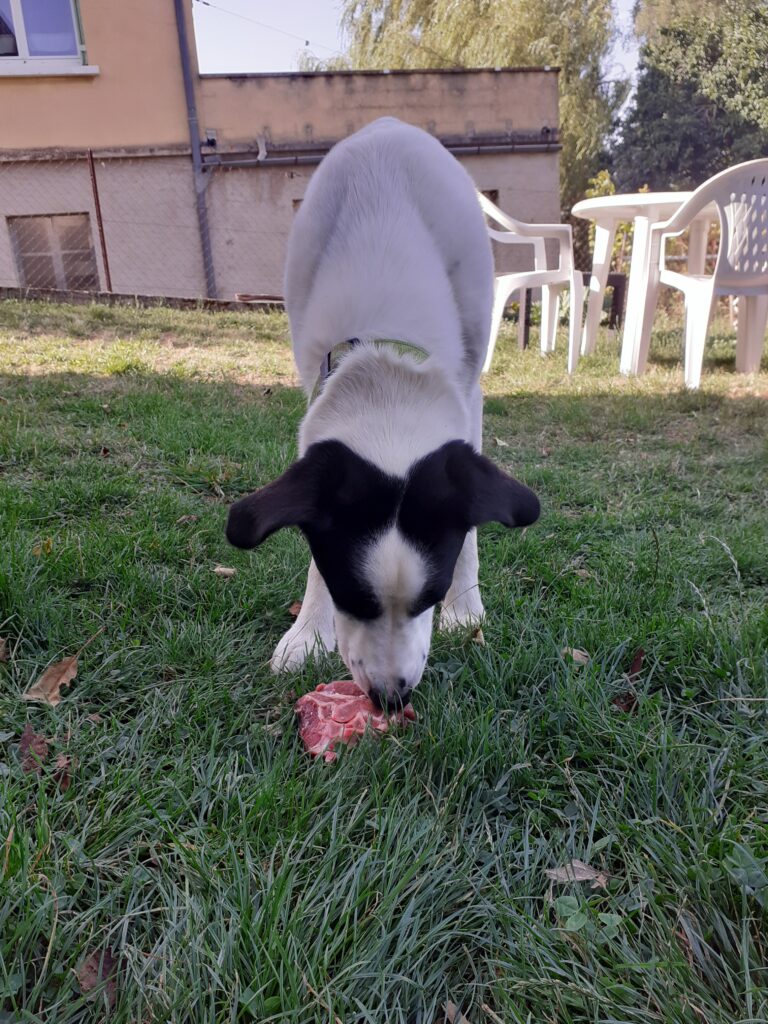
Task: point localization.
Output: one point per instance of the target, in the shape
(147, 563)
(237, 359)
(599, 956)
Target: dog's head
(386, 546)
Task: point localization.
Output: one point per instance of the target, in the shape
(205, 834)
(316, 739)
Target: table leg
(634, 321)
(753, 314)
(601, 261)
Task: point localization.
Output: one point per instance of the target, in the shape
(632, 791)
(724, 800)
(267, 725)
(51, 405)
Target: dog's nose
(391, 701)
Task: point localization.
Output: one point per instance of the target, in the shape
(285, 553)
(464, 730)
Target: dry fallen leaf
(3, 649)
(95, 718)
(626, 702)
(637, 664)
(500, 443)
(222, 570)
(477, 636)
(453, 1014)
(45, 547)
(186, 519)
(580, 657)
(33, 750)
(585, 574)
(295, 609)
(47, 689)
(105, 453)
(578, 871)
(97, 970)
(62, 775)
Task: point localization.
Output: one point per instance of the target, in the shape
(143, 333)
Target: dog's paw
(465, 610)
(298, 644)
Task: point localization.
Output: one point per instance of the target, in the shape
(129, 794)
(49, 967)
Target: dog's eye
(357, 603)
(428, 598)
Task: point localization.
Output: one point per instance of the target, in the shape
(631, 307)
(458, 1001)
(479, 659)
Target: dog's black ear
(291, 500)
(487, 493)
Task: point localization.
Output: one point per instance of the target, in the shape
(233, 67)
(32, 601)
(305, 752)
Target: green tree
(701, 102)
(651, 16)
(574, 35)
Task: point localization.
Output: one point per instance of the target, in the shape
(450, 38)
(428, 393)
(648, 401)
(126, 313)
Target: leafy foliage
(702, 98)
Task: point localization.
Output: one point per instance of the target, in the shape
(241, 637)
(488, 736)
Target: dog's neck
(332, 358)
(387, 407)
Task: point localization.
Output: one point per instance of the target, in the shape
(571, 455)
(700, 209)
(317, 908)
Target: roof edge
(346, 72)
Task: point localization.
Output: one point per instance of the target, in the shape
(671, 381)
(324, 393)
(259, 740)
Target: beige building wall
(289, 109)
(152, 238)
(136, 99)
(251, 212)
(151, 231)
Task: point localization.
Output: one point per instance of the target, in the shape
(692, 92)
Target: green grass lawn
(230, 877)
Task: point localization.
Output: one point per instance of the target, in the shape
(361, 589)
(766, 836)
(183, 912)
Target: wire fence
(134, 226)
(84, 224)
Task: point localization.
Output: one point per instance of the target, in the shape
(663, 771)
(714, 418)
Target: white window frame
(26, 65)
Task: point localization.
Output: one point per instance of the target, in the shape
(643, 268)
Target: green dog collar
(332, 358)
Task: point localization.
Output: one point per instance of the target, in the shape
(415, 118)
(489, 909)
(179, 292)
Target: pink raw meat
(341, 712)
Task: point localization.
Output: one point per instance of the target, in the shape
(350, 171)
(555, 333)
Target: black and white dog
(388, 288)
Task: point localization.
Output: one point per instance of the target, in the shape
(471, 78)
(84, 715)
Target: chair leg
(698, 308)
(523, 319)
(574, 321)
(500, 298)
(550, 313)
(753, 314)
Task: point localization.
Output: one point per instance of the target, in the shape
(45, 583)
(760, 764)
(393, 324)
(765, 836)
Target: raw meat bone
(339, 712)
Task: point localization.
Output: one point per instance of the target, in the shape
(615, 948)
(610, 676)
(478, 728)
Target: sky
(270, 35)
(264, 35)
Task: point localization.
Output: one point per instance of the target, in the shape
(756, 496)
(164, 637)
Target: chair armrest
(659, 233)
(519, 227)
(510, 238)
(685, 215)
(519, 233)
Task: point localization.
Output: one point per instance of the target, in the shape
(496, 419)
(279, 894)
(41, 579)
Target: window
(54, 252)
(40, 37)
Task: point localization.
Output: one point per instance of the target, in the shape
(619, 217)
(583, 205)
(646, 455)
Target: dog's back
(390, 243)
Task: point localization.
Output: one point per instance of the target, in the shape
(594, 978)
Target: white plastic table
(644, 208)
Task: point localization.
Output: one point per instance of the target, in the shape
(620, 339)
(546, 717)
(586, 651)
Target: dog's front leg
(312, 632)
(462, 605)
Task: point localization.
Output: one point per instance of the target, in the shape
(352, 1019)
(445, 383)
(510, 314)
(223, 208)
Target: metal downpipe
(199, 174)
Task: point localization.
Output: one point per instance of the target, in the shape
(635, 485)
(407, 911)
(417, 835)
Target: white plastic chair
(551, 282)
(740, 195)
